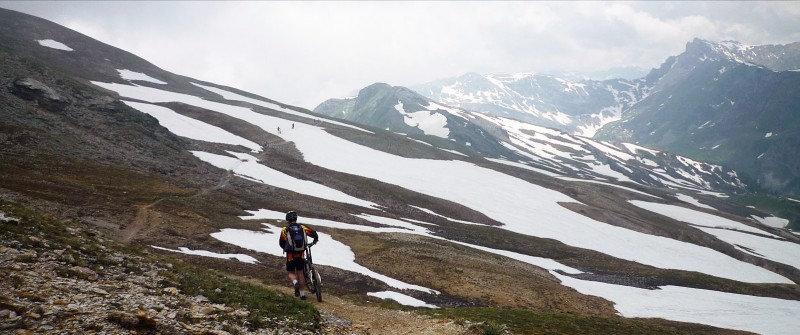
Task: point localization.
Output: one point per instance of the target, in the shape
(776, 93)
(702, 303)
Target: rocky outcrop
(43, 95)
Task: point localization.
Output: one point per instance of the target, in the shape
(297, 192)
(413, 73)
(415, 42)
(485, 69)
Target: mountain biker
(295, 260)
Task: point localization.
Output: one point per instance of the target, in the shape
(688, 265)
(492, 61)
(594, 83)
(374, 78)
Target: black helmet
(291, 216)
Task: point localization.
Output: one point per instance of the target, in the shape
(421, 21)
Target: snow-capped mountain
(205, 172)
(551, 151)
(712, 96)
(575, 107)
(725, 103)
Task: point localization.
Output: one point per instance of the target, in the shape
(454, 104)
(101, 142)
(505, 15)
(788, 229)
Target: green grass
(494, 320)
(267, 308)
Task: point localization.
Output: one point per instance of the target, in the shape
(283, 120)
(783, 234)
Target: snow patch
(250, 169)
(328, 252)
(544, 263)
(431, 123)
(227, 95)
(690, 200)
(749, 239)
(240, 257)
(772, 221)
(401, 299)
(54, 44)
(761, 315)
(190, 128)
(3, 217)
(130, 75)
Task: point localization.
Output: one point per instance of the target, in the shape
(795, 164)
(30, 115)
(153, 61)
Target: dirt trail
(341, 316)
(146, 217)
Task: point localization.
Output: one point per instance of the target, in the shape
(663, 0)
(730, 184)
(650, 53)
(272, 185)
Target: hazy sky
(303, 53)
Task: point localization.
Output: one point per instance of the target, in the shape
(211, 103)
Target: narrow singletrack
(146, 217)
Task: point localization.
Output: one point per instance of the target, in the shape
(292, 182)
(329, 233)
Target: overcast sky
(303, 53)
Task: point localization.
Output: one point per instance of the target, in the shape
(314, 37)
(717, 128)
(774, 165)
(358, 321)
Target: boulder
(43, 95)
(83, 273)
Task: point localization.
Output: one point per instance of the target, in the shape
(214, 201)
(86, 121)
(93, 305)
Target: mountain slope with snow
(575, 107)
(178, 165)
(725, 103)
(518, 143)
(728, 104)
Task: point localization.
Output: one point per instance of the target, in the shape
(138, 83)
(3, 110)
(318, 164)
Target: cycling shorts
(295, 264)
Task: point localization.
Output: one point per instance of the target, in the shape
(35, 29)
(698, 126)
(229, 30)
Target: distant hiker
(279, 130)
(293, 240)
(292, 125)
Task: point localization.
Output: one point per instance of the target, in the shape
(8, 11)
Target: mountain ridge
(610, 105)
(721, 100)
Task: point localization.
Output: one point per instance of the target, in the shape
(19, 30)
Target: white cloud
(305, 52)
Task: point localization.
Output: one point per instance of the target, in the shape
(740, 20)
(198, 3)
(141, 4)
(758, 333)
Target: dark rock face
(46, 97)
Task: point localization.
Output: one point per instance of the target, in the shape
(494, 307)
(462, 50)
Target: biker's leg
(291, 269)
(302, 280)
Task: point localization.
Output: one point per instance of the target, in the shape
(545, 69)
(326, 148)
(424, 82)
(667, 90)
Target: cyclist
(295, 260)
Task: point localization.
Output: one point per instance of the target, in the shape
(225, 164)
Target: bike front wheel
(316, 281)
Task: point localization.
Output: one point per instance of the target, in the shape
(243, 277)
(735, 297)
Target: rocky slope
(68, 278)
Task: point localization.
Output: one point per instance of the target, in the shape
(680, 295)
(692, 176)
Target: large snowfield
(521, 206)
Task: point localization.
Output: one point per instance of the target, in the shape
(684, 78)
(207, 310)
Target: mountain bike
(313, 279)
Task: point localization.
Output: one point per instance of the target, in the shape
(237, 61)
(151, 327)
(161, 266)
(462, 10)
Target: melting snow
(763, 244)
(693, 201)
(187, 127)
(524, 207)
(7, 218)
(130, 75)
(769, 316)
(442, 216)
(772, 221)
(252, 170)
(635, 148)
(523, 166)
(240, 257)
(54, 44)
(233, 96)
(698, 218)
(528, 209)
(401, 299)
(431, 123)
(328, 252)
(608, 184)
(544, 263)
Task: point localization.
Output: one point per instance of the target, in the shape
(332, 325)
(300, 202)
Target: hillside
(179, 168)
